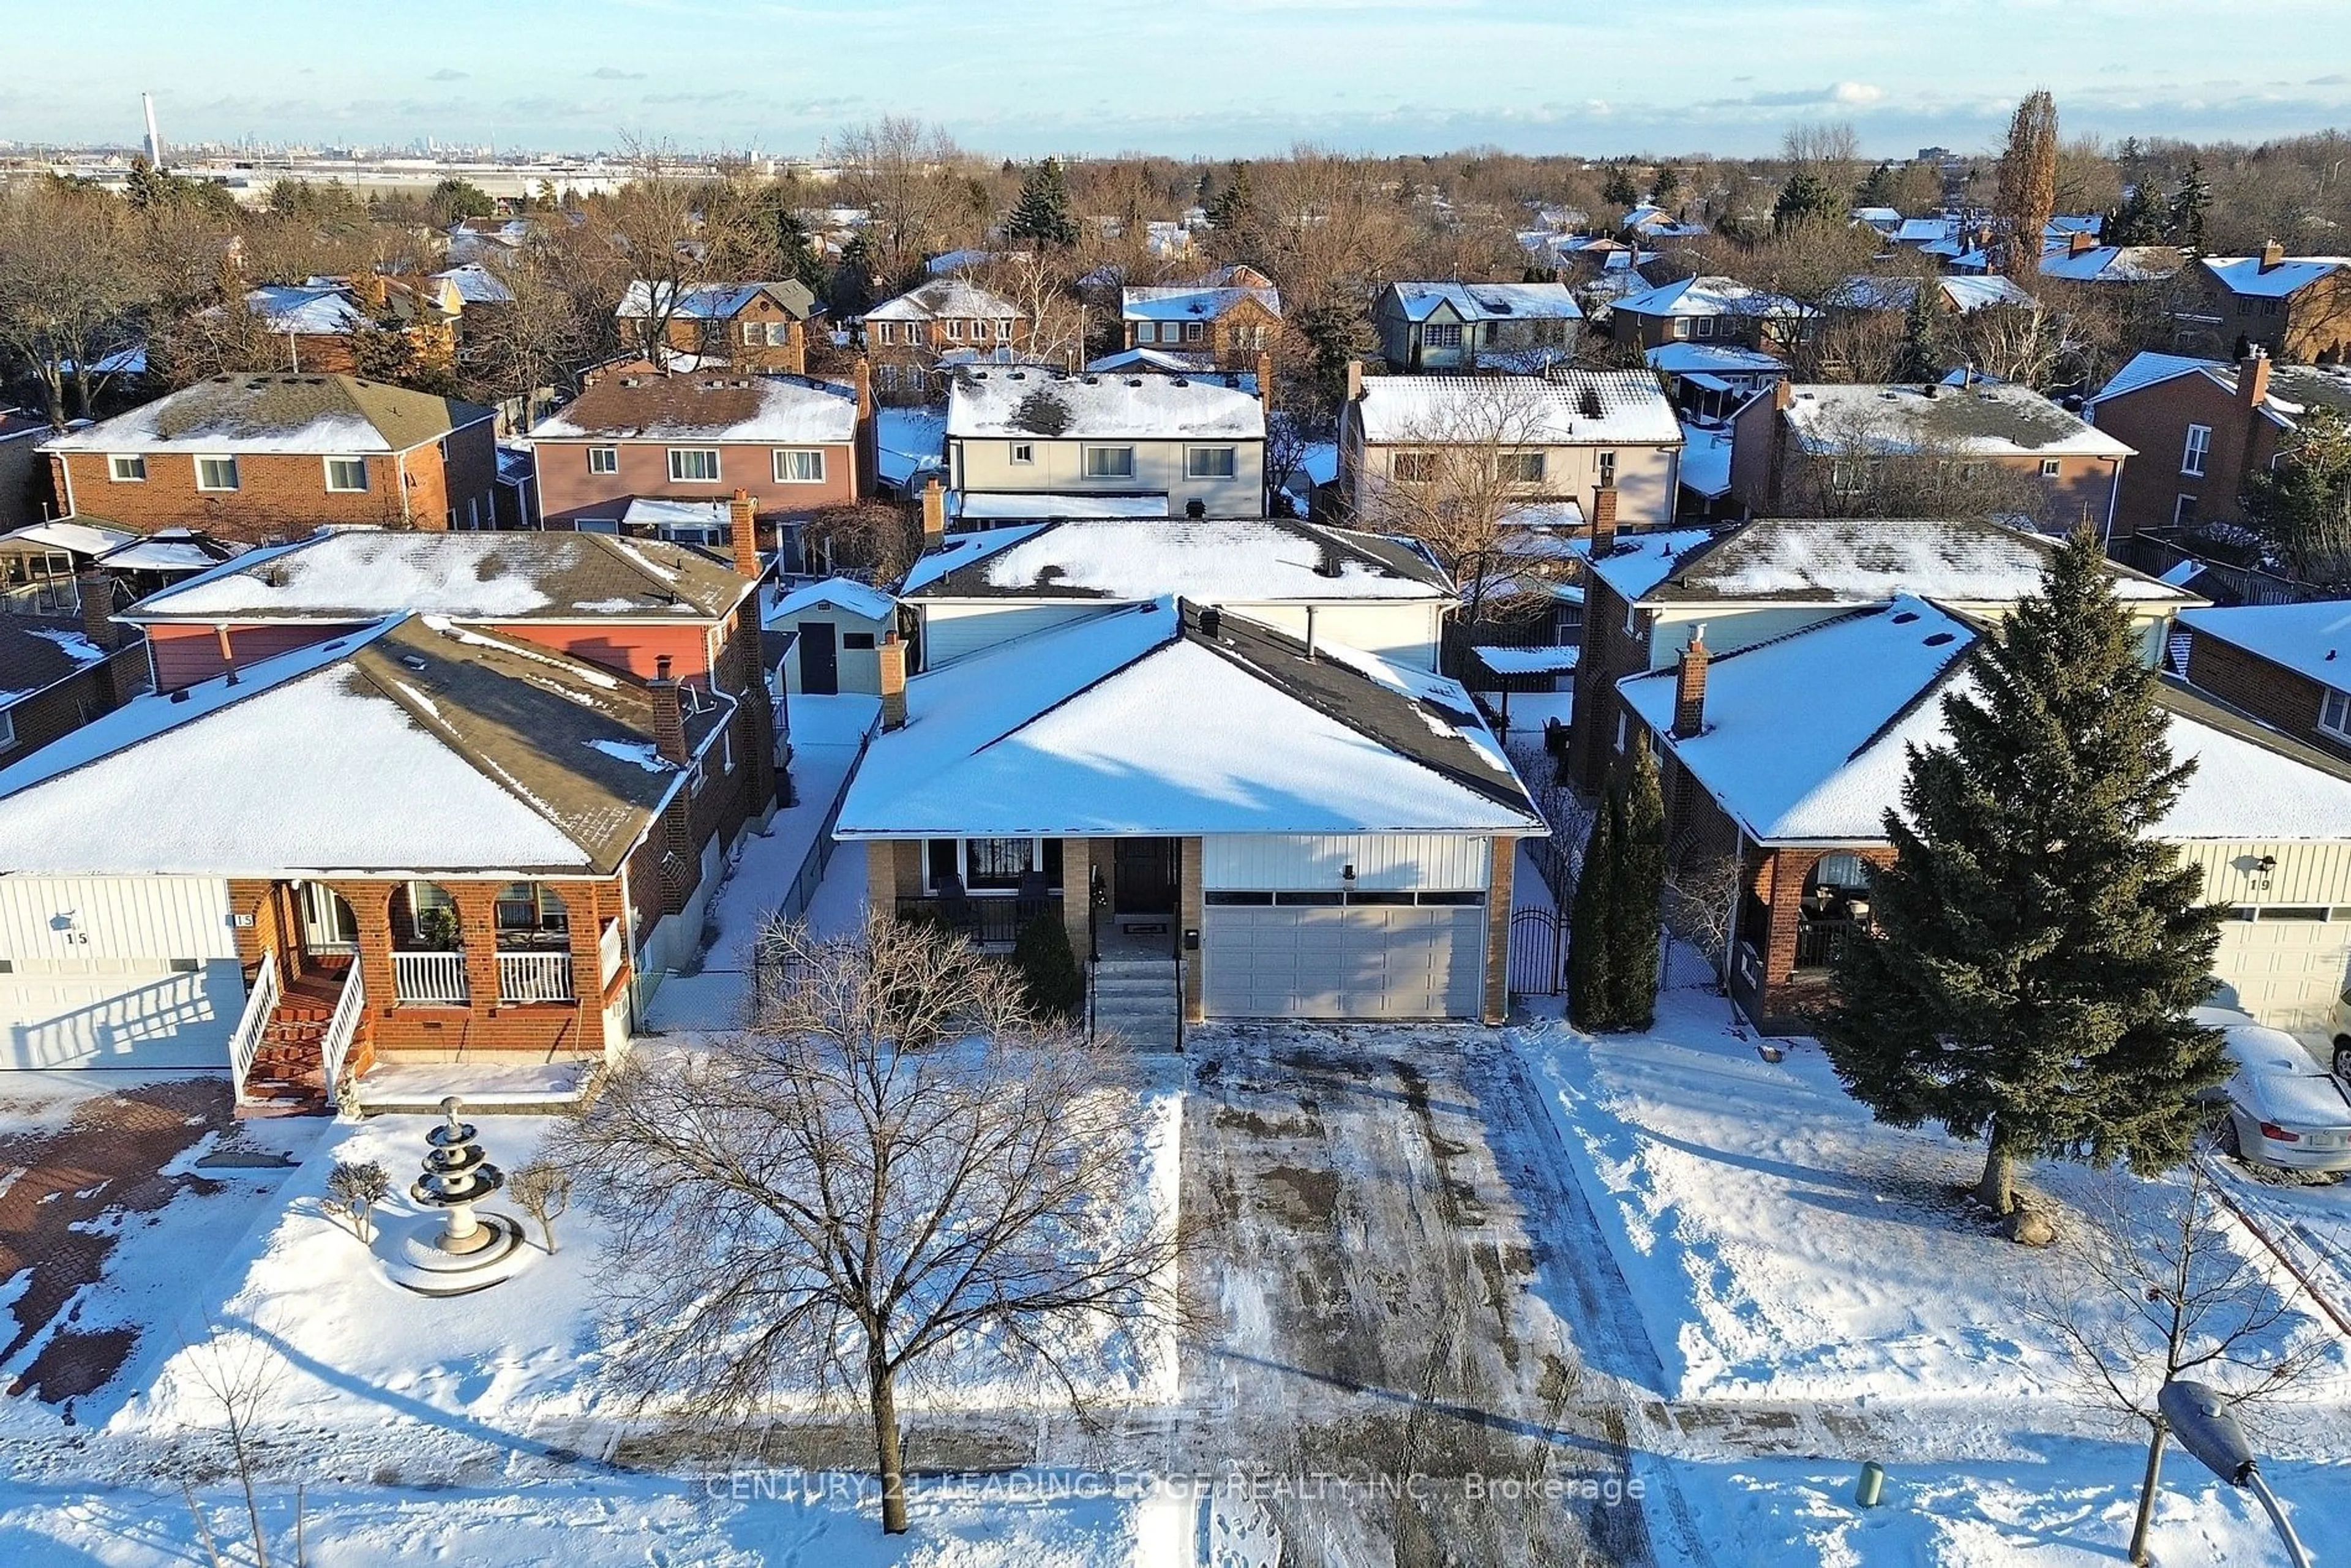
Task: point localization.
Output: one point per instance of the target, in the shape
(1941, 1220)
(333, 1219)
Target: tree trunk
(1996, 1189)
(2147, 1492)
(885, 1399)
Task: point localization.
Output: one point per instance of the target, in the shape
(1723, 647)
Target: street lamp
(2197, 1417)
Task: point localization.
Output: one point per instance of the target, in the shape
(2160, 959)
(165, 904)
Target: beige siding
(1405, 632)
(951, 632)
(2306, 873)
(987, 467)
(1451, 861)
(78, 921)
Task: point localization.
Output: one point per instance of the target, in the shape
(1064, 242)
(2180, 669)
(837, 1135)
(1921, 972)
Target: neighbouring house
(1825, 447)
(1710, 310)
(794, 445)
(916, 339)
(58, 673)
(413, 841)
(1779, 761)
(1711, 381)
(2223, 422)
(1167, 444)
(1214, 809)
(249, 458)
(1568, 436)
(1954, 295)
(1706, 474)
(23, 477)
(1651, 222)
(2083, 260)
(1645, 596)
(2295, 308)
(825, 637)
(39, 564)
(323, 322)
(761, 327)
(1223, 322)
(1466, 326)
(2288, 665)
(977, 591)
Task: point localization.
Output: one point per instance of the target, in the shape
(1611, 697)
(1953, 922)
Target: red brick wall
(725, 338)
(59, 710)
(2269, 691)
(1609, 654)
(2154, 420)
(568, 492)
(624, 645)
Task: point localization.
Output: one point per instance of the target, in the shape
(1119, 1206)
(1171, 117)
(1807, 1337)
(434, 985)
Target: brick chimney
(669, 716)
(1265, 378)
(2253, 378)
(1783, 395)
(934, 516)
(1690, 686)
(1354, 381)
(2079, 241)
(2273, 256)
(743, 525)
(97, 591)
(867, 441)
(891, 656)
(1603, 520)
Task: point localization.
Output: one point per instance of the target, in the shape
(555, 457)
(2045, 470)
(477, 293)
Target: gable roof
(1868, 291)
(2294, 389)
(361, 574)
(409, 747)
(308, 310)
(1712, 297)
(838, 592)
(1213, 560)
(712, 301)
(1984, 420)
(1848, 560)
(2311, 640)
(942, 298)
(991, 401)
(2243, 274)
(1685, 359)
(325, 414)
(1182, 302)
(1560, 408)
(2114, 264)
(1489, 301)
(1636, 563)
(700, 406)
(1807, 736)
(475, 283)
(1165, 718)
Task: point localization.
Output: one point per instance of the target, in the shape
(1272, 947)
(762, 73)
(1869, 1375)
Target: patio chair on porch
(954, 905)
(1034, 899)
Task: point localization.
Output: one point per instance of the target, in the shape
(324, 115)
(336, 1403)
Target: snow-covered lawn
(1779, 1244)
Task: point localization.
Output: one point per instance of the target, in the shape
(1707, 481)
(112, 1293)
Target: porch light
(2265, 865)
(1347, 873)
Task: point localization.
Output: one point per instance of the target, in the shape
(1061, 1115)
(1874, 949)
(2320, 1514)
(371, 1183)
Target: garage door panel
(2286, 973)
(112, 1015)
(1369, 962)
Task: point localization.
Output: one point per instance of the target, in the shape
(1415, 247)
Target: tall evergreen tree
(1233, 207)
(2188, 207)
(1636, 888)
(2140, 219)
(1805, 197)
(1043, 212)
(2034, 948)
(1921, 355)
(1591, 993)
(1619, 190)
(1666, 188)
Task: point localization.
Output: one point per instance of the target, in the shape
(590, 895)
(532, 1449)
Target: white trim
(777, 456)
(328, 465)
(716, 465)
(235, 472)
(115, 462)
(2195, 450)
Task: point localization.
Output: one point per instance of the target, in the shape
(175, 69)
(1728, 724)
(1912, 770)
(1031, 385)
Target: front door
(329, 926)
(820, 661)
(1145, 879)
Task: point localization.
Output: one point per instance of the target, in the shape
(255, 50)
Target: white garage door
(1358, 960)
(121, 1013)
(2287, 973)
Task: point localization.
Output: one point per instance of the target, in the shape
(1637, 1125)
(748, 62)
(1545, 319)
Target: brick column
(1077, 882)
(1189, 906)
(370, 904)
(1501, 878)
(477, 925)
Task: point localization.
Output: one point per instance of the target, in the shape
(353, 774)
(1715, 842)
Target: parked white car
(2284, 1109)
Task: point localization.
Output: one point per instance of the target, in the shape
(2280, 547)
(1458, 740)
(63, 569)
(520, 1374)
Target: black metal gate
(1538, 952)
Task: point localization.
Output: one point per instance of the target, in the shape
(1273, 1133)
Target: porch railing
(259, 1005)
(534, 978)
(342, 1029)
(430, 978)
(994, 922)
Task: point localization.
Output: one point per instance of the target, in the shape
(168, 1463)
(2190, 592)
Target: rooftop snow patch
(79, 535)
(1846, 560)
(1564, 408)
(1981, 421)
(838, 592)
(2311, 640)
(2244, 274)
(1029, 403)
(325, 415)
(1712, 297)
(1489, 301)
(1236, 560)
(706, 405)
(1636, 563)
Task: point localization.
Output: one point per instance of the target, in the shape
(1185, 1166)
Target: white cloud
(1856, 92)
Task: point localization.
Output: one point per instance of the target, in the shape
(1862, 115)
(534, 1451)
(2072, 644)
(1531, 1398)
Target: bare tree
(353, 1191)
(1828, 149)
(1039, 282)
(2142, 1296)
(1701, 900)
(913, 182)
(1865, 464)
(543, 1190)
(238, 1372)
(2028, 181)
(71, 291)
(897, 1161)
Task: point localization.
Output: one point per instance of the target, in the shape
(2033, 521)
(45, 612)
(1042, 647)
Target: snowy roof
(840, 594)
(1160, 360)
(37, 652)
(1919, 231)
(2114, 264)
(476, 285)
(2311, 640)
(1527, 661)
(171, 550)
(1706, 459)
(1981, 421)
(909, 439)
(659, 512)
(1713, 358)
(407, 747)
(943, 297)
(363, 573)
(325, 415)
(1489, 301)
(714, 301)
(1595, 408)
(1052, 405)
(2294, 389)
(1638, 562)
(2243, 274)
(79, 535)
(1041, 506)
(1846, 560)
(1167, 720)
(1806, 737)
(1711, 297)
(1212, 560)
(704, 407)
(1869, 292)
(1163, 302)
(310, 311)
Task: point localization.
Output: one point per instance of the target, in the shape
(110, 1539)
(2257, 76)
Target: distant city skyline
(1207, 77)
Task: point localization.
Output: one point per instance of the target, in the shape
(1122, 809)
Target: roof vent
(1177, 381)
(1212, 620)
(1134, 380)
(1904, 617)
(180, 695)
(1094, 381)
(1939, 639)
(414, 663)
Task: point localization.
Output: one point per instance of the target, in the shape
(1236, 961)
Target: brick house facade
(2297, 309)
(2201, 429)
(910, 338)
(761, 327)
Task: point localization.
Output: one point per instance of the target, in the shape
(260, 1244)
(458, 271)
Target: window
(861, 641)
(1607, 469)
(1848, 477)
(694, 465)
(1004, 328)
(889, 378)
(217, 474)
(1194, 332)
(779, 334)
(751, 333)
(1024, 452)
(955, 331)
(2199, 442)
(1681, 326)
(346, 473)
(1620, 730)
(885, 331)
(2049, 466)
(1109, 462)
(1843, 870)
(1705, 326)
(7, 730)
(1413, 468)
(995, 863)
(2183, 511)
(1146, 332)
(431, 913)
(1519, 467)
(126, 470)
(2335, 714)
(799, 466)
(531, 906)
(604, 460)
(1208, 462)
(1442, 335)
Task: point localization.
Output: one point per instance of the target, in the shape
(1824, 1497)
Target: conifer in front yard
(1637, 894)
(1591, 997)
(2034, 946)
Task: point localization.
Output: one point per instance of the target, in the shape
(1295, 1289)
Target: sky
(1186, 78)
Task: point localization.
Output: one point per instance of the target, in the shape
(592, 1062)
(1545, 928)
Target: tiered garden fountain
(458, 1250)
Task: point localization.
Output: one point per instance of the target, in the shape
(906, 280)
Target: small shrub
(544, 1191)
(1049, 970)
(353, 1191)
